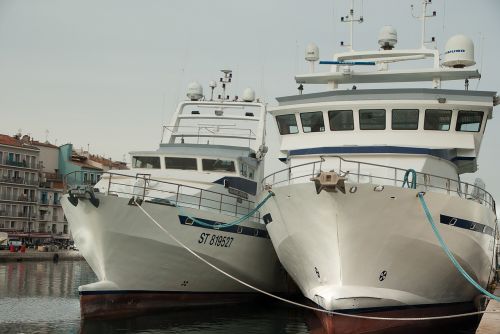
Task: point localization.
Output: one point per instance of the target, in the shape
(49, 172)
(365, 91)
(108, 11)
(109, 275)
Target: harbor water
(42, 297)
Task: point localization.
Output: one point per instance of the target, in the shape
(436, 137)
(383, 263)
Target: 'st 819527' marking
(215, 240)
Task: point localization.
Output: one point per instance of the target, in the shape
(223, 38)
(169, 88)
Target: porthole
(189, 221)
(216, 226)
(378, 188)
(256, 233)
(240, 229)
(353, 189)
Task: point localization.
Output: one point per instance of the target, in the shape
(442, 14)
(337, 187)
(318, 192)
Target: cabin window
(287, 124)
(469, 121)
(312, 121)
(437, 119)
(146, 162)
(217, 165)
(372, 119)
(180, 163)
(341, 120)
(405, 119)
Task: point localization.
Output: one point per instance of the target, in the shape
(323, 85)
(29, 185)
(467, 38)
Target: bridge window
(181, 163)
(405, 119)
(287, 124)
(469, 121)
(341, 120)
(312, 121)
(146, 162)
(437, 119)
(217, 165)
(372, 119)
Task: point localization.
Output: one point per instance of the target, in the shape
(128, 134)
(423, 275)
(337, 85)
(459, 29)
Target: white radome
(312, 52)
(248, 95)
(459, 52)
(388, 37)
(194, 91)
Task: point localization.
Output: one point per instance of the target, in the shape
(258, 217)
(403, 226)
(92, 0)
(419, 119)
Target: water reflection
(42, 297)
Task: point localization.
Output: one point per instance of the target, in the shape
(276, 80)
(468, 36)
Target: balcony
(19, 180)
(21, 164)
(22, 198)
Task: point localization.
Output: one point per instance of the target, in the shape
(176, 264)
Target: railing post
(236, 211)
(448, 185)
(199, 203)
(177, 195)
(359, 170)
(220, 204)
(109, 182)
(395, 177)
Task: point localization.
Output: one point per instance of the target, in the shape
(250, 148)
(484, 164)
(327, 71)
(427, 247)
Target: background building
(32, 184)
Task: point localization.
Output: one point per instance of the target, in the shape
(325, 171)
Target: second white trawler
(203, 176)
(347, 222)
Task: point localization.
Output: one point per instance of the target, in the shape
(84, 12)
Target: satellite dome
(194, 91)
(248, 95)
(312, 52)
(459, 52)
(388, 37)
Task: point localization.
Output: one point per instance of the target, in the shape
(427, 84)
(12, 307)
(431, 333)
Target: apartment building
(19, 166)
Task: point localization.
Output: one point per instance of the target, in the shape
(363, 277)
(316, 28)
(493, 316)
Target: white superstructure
(345, 225)
(204, 174)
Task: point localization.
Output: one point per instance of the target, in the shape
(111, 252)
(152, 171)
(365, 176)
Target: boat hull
(374, 248)
(140, 266)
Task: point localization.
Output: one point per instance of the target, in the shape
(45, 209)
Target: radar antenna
(350, 18)
(225, 80)
(423, 17)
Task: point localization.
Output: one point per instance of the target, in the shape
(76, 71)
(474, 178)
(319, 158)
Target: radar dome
(312, 52)
(248, 95)
(388, 37)
(194, 91)
(459, 52)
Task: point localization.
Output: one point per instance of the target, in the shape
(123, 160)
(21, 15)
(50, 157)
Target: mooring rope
(457, 265)
(295, 303)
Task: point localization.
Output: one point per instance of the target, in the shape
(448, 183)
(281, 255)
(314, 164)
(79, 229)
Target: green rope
(406, 181)
(236, 222)
(448, 252)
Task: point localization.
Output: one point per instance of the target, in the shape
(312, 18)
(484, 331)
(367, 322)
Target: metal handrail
(463, 189)
(220, 202)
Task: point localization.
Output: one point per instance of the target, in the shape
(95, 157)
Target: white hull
(129, 253)
(372, 249)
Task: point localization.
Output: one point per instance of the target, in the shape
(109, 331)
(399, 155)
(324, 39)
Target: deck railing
(364, 172)
(157, 191)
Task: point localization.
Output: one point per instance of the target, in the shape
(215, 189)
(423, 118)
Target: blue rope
(406, 181)
(236, 222)
(448, 252)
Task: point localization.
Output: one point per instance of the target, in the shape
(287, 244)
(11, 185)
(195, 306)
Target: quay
(490, 323)
(33, 255)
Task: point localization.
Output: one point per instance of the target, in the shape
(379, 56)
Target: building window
(287, 124)
(405, 119)
(65, 229)
(372, 119)
(180, 163)
(12, 224)
(437, 119)
(85, 177)
(98, 177)
(469, 121)
(341, 120)
(146, 162)
(312, 121)
(92, 178)
(218, 165)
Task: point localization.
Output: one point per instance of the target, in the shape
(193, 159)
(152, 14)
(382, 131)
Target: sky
(107, 74)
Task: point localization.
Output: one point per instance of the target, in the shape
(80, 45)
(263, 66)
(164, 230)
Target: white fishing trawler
(200, 185)
(346, 220)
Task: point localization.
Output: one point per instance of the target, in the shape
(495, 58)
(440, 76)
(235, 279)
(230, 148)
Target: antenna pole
(424, 16)
(351, 14)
